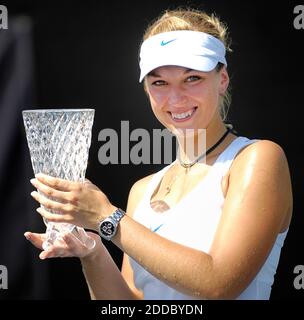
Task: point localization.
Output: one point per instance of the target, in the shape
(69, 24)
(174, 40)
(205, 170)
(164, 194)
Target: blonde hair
(195, 20)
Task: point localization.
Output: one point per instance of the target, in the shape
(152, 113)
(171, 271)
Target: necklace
(204, 154)
(188, 166)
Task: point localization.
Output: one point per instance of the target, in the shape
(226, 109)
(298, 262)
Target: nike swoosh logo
(163, 43)
(157, 228)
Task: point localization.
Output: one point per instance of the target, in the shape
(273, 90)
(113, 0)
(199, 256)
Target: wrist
(94, 255)
(108, 227)
(104, 213)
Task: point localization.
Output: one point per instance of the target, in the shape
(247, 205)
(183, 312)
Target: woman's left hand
(81, 204)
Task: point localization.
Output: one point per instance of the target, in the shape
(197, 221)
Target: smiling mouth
(184, 116)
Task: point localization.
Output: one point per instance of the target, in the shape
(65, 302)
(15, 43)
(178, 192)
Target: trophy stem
(51, 235)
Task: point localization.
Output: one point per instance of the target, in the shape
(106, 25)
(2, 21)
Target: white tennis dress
(205, 215)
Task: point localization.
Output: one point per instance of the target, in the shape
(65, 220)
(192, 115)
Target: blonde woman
(204, 227)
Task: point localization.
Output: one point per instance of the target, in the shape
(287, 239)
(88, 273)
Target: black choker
(203, 155)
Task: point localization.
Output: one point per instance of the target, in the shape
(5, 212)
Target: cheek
(210, 94)
(157, 99)
(205, 95)
(208, 98)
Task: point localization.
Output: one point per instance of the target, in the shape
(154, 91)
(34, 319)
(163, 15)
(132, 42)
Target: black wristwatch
(108, 227)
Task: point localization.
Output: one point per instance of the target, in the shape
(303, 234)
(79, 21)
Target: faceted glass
(59, 142)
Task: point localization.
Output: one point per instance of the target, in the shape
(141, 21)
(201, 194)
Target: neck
(196, 142)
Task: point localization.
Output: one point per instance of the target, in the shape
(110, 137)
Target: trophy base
(54, 232)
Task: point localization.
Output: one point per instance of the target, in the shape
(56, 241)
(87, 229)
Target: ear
(224, 81)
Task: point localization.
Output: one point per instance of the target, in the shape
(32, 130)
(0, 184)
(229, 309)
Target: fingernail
(33, 181)
(33, 193)
(26, 236)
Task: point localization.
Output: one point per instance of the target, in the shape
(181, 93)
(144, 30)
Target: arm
(257, 203)
(103, 277)
(101, 272)
(256, 207)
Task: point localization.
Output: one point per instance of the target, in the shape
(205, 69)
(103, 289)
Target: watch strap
(118, 214)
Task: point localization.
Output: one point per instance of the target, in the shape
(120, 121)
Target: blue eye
(193, 78)
(158, 83)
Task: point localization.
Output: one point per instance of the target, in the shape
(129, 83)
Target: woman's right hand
(68, 245)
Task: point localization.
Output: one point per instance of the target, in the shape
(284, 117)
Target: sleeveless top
(202, 206)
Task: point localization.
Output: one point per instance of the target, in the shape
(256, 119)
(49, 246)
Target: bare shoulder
(264, 154)
(257, 207)
(263, 166)
(136, 193)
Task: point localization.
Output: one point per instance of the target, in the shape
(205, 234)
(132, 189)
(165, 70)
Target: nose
(176, 98)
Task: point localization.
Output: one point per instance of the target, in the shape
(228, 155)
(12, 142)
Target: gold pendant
(168, 190)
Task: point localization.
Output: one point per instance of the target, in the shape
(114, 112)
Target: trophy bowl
(59, 141)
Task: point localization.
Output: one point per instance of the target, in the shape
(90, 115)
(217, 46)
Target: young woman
(209, 226)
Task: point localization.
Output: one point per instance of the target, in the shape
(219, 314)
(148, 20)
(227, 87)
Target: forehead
(171, 70)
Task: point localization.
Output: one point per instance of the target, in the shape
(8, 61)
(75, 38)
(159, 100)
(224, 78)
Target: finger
(64, 246)
(87, 240)
(64, 208)
(45, 255)
(76, 246)
(57, 183)
(36, 239)
(60, 196)
(59, 249)
(81, 233)
(73, 241)
(53, 252)
(54, 217)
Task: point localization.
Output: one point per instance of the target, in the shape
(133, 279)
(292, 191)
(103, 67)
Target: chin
(187, 132)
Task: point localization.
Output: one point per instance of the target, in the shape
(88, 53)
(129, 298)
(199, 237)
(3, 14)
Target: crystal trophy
(59, 142)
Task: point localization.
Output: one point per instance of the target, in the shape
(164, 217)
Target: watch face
(107, 228)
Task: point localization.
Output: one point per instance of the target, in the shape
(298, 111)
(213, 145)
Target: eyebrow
(156, 75)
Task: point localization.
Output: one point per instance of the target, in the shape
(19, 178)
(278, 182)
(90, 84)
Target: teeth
(182, 115)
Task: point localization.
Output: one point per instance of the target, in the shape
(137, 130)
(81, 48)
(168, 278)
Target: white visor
(190, 49)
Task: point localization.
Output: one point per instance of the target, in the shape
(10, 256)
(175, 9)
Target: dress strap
(224, 161)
